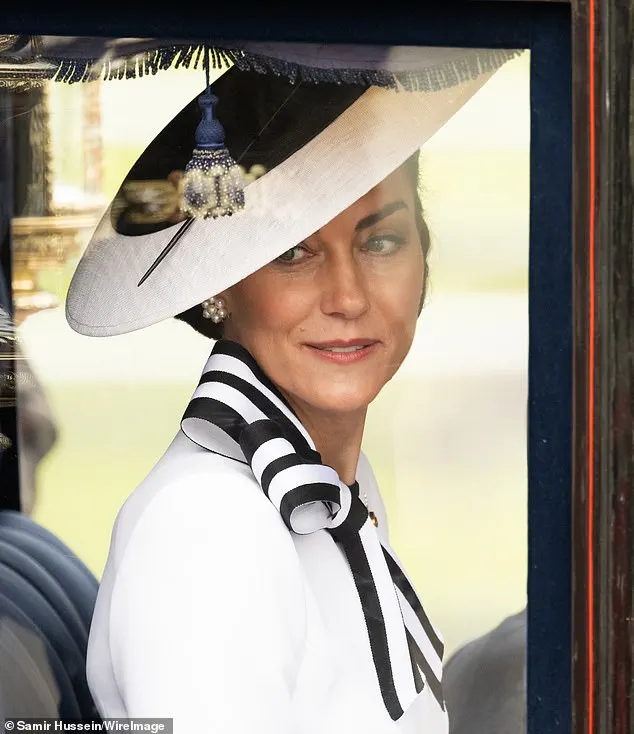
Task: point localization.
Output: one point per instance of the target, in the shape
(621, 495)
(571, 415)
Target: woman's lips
(344, 352)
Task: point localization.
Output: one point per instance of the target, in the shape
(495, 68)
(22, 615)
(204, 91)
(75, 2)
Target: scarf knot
(307, 493)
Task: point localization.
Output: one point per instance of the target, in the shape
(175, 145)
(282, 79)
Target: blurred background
(446, 437)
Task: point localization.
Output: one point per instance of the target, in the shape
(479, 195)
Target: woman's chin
(338, 399)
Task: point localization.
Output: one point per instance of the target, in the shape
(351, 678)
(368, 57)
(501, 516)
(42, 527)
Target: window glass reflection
(447, 437)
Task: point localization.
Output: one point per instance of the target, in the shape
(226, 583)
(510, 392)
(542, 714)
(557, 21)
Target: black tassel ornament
(213, 185)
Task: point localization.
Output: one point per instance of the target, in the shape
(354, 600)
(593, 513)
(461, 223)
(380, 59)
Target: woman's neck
(337, 437)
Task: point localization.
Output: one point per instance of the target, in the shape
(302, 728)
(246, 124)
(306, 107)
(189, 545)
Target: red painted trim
(591, 340)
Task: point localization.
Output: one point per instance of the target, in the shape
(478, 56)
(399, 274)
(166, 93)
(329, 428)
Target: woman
(250, 585)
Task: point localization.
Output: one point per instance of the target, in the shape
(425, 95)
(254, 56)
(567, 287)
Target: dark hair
(194, 316)
(411, 167)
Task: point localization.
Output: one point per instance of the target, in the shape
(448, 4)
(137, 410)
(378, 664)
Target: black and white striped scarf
(237, 411)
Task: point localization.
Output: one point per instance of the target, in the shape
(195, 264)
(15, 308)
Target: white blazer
(212, 613)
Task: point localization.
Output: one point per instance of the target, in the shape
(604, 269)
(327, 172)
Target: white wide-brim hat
(326, 125)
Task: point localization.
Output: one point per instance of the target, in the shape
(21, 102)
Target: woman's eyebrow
(385, 211)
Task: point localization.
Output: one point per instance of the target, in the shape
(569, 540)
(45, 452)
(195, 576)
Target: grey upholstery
(485, 682)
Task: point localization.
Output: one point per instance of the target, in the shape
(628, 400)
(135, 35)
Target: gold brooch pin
(371, 515)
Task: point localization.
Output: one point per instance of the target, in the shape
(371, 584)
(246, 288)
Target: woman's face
(331, 320)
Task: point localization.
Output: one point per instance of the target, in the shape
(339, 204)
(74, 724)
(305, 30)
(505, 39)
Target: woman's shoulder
(192, 492)
(200, 566)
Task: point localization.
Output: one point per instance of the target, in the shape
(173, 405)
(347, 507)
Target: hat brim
(369, 140)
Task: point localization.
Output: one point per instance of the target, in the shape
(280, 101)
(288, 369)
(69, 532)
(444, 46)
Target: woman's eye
(384, 245)
(295, 254)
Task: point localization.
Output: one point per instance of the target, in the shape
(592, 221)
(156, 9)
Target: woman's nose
(344, 290)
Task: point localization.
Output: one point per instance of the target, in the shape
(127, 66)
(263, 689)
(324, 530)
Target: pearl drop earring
(214, 309)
